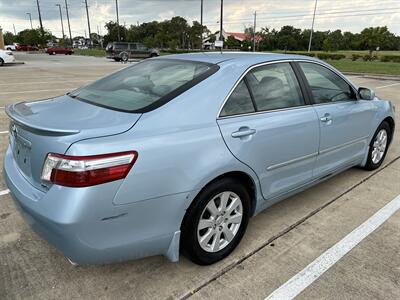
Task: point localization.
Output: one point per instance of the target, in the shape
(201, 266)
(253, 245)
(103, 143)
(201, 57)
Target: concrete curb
(374, 76)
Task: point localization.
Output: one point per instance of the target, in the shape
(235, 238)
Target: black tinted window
(143, 84)
(121, 46)
(275, 86)
(239, 102)
(325, 85)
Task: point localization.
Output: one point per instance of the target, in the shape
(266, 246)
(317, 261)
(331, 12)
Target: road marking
(385, 86)
(5, 192)
(3, 132)
(313, 271)
(35, 91)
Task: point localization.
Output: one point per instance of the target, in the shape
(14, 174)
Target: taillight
(83, 171)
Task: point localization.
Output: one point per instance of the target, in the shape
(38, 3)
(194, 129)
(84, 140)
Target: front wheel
(216, 221)
(1, 62)
(378, 147)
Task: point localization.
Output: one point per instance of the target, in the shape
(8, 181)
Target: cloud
(331, 15)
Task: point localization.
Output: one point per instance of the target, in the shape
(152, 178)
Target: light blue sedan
(175, 154)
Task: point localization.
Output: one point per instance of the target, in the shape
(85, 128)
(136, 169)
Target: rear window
(146, 85)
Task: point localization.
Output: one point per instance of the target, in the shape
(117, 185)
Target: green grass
(371, 67)
(90, 52)
(349, 53)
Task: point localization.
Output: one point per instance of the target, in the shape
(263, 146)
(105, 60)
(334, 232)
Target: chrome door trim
(347, 144)
(292, 161)
(280, 109)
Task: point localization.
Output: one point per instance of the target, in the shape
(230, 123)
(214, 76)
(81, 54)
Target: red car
(59, 50)
(26, 48)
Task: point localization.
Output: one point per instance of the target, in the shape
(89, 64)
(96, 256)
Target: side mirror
(366, 94)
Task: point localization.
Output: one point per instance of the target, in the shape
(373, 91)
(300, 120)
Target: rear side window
(239, 102)
(121, 46)
(325, 85)
(275, 86)
(146, 85)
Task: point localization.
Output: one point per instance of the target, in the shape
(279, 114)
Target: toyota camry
(174, 154)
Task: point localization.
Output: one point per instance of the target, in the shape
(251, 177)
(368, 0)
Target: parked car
(26, 48)
(6, 57)
(120, 51)
(12, 47)
(59, 50)
(177, 153)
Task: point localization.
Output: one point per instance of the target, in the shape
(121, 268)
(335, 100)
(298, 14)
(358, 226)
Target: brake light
(83, 171)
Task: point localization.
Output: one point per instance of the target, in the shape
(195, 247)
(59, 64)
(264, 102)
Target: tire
(378, 147)
(117, 59)
(1, 62)
(153, 55)
(9, 49)
(209, 251)
(124, 57)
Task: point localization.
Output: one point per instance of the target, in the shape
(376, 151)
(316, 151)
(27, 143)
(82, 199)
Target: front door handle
(243, 132)
(326, 118)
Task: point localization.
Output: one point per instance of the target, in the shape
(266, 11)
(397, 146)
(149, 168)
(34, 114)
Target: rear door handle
(243, 132)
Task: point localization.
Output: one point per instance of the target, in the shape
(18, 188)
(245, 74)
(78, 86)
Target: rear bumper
(88, 228)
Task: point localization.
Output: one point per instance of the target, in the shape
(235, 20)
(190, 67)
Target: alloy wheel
(220, 221)
(379, 146)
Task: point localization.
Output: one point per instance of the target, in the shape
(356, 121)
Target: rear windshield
(146, 85)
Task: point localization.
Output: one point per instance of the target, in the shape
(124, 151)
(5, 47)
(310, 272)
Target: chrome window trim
(279, 109)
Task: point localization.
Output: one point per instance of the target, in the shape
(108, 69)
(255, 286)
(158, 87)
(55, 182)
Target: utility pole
(88, 22)
(221, 37)
(312, 26)
(254, 31)
(62, 23)
(201, 22)
(116, 8)
(40, 18)
(15, 32)
(69, 25)
(30, 18)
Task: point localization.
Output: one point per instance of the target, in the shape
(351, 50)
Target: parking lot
(280, 242)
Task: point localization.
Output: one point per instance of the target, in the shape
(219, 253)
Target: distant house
(240, 36)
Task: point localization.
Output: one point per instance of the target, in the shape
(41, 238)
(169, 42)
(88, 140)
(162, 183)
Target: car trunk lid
(52, 125)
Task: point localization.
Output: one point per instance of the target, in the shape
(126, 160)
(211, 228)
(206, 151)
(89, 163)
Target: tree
(34, 37)
(9, 38)
(232, 43)
(374, 37)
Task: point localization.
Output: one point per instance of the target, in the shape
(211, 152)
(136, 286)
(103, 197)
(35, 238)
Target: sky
(346, 15)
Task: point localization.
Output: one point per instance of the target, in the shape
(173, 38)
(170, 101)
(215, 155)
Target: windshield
(141, 86)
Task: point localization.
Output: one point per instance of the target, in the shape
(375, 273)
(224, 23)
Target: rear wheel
(124, 57)
(153, 55)
(378, 147)
(216, 221)
(1, 62)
